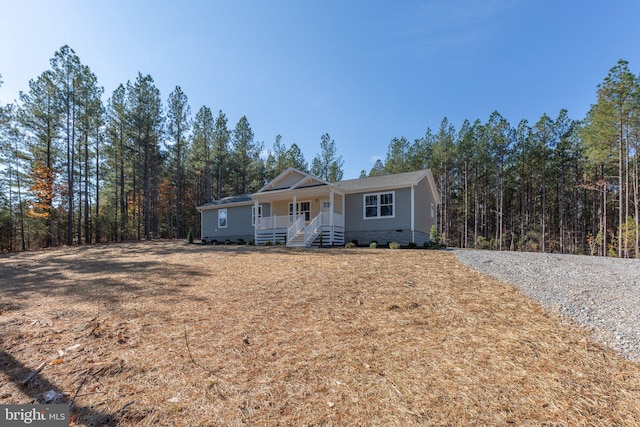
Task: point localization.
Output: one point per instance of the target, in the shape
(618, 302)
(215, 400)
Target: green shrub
(227, 242)
(433, 235)
(240, 242)
(373, 245)
(355, 242)
(203, 241)
(432, 245)
(268, 243)
(251, 243)
(214, 242)
(394, 245)
(413, 245)
(350, 245)
(190, 236)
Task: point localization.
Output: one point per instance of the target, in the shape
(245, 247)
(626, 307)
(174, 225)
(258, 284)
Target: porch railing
(285, 221)
(295, 228)
(271, 222)
(311, 230)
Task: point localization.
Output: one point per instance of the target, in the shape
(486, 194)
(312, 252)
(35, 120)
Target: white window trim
(226, 218)
(253, 214)
(364, 205)
(298, 211)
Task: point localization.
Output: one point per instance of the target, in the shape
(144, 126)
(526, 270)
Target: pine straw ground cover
(165, 333)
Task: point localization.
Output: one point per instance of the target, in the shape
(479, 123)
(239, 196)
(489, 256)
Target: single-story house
(299, 209)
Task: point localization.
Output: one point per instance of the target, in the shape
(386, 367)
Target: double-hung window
(222, 218)
(255, 217)
(379, 205)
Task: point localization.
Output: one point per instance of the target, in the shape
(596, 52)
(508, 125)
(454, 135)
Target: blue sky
(362, 71)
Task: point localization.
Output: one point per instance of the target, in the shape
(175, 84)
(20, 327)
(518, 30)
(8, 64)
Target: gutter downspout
(255, 220)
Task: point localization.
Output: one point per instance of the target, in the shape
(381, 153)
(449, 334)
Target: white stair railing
(312, 230)
(295, 228)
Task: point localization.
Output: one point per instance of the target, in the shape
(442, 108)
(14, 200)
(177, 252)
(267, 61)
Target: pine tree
(245, 155)
(40, 115)
(90, 119)
(295, 158)
(397, 160)
(327, 164)
(201, 155)
(221, 152)
(178, 121)
(66, 66)
(441, 161)
(117, 135)
(145, 116)
(464, 154)
(501, 136)
(377, 169)
(610, 130)
(280, 159)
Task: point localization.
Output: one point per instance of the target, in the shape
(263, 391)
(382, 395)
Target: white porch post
(295, 208)
(331, 212)
(256, 220)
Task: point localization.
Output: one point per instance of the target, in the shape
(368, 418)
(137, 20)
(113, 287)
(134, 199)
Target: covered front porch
(296, 209)
(300, 221)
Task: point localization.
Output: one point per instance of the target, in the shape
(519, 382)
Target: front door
(302, 208)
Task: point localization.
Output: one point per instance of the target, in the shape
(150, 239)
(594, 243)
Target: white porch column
(255, 215)
(331, 212)
(295, 208)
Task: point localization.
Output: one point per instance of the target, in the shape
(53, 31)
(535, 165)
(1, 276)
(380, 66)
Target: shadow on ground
(34, 384)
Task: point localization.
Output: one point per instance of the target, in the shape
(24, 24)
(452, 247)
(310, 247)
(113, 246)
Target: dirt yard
(166, 333)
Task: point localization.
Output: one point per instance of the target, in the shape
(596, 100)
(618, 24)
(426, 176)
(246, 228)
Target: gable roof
(388, 182)
(242, 199)
(292, 179)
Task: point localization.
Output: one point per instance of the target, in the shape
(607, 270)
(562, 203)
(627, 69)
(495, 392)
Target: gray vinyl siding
(397, 229)
(354, 206)
(423, 201)
(238, 224)
(290, 180)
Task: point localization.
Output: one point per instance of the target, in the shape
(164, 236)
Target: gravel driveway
(602, 294)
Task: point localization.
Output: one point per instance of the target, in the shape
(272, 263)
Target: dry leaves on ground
(165, 333)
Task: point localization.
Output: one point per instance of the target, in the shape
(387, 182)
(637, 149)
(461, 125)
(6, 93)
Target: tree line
(76, 170)
(557, 185)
